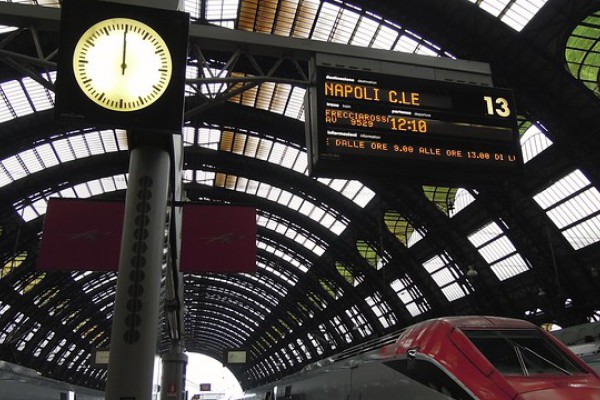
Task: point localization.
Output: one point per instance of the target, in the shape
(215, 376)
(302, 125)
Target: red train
(461, 358)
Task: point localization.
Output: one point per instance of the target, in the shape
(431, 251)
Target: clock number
(498, 106)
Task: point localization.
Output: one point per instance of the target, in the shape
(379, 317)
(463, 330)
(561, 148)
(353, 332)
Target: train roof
(483, 322)
(460, 322)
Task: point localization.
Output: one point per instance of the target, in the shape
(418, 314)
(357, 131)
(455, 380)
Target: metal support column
(135, 320)
(174, 363)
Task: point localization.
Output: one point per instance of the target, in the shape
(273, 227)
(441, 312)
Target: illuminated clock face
(122, 64)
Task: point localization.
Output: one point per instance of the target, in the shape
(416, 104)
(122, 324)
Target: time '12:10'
(408, 125)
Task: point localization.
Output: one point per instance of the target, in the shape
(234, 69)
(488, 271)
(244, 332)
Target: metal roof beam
(222, 39)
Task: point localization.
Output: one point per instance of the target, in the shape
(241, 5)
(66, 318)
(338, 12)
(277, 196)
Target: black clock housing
(166, 114)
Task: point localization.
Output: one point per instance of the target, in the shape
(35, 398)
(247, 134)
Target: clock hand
(123, 65)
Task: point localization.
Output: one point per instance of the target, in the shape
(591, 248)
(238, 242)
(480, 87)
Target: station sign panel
(362, 123)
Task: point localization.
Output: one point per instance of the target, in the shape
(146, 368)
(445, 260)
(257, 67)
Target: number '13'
(497, 106)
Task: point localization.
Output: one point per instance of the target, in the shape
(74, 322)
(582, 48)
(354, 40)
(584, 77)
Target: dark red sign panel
(81, 235)
(85, 235)
(218, 239)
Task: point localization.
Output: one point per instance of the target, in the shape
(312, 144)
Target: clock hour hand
(123, 65)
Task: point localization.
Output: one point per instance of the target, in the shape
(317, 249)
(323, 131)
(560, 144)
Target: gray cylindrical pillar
(174, 365)
(135, 320)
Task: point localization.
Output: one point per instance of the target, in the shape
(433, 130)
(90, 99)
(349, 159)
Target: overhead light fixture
(541, 292)
(472, 272)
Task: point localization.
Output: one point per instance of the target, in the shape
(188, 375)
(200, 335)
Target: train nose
(564, 393)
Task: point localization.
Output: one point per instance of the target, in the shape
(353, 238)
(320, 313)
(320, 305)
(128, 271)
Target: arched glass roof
(583, 52)
(339, 261)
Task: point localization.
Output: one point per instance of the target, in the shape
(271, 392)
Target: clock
(122, 64)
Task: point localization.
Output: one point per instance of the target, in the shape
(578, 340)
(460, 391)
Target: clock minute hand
(123, 65)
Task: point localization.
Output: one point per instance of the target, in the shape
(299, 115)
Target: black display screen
(361, 123)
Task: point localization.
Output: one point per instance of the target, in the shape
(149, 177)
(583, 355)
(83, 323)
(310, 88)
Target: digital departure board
(362, 123)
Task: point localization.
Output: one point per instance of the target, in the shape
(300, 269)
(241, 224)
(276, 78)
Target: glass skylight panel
(295, 104)
(425, 51)
(291, 159)
(64, 150)
(281, 94)
(514, 13)
(265, 96)
(193, 7)
(280, 272)
(36, 205)
(277, 152)
(494, 7)
(6, 113)
(40, 96)
(6, 29)
(275, 97)
(303, 206)
(12, 169)
(44, 3)
(287, 9)
(410, 295)
(101, 297)
(221, 12)
(360, 322)
(240, 290)
(79, 146)
(446, 277)
(16, 103)
(353, 190)
(497, 249)
(247, 97)
(515, 19)
(462, 199)
(305, 15)
(209, 138)
(414, 238)
(94, 143)
(326, 21)
(521, 12)
(381, 309)
(533, 142)
(573, 204)
(385, 38)
(219, 318)
(44, 156)
(265, 282)
(5, 175)
(117, 182)
(16, 99)
(341, 329)
(82, 191)
(264, 149)
(344, 26)
(406, 44)
(286, 256)
(365, 31)
(188, 135)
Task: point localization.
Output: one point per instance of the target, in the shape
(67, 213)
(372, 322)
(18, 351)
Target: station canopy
(339, 261)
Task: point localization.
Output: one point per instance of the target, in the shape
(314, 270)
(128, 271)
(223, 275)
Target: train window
(522, 352)
(432, 376)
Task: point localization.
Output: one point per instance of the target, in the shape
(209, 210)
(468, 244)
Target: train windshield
(522, 352)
